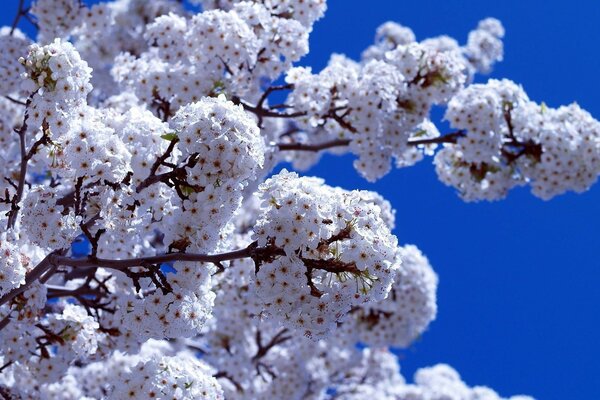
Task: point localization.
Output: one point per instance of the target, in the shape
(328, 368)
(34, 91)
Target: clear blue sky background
(519, 279)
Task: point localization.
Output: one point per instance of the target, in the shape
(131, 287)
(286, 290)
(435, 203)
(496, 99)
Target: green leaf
(187, 190)
(169, 136)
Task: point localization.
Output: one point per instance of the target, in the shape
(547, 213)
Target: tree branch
(313, 147)
(36, 273)
(263, 349)
(449, 138)
(16, 101)
(261, 112)
(20, 13)
(25, 157)
(252, 251)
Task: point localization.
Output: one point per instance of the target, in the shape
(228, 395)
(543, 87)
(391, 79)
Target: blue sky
(519, 278)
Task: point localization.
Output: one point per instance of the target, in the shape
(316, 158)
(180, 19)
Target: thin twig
(313, 147)
(14, 210)
(16, 101)
(20, 12)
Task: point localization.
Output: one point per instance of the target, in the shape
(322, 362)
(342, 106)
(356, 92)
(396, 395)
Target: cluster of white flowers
(510, 140)
(13, 47)
(12, 270)
(338, 253)
(484, 46)
(142, 134)
(223, 150)
(569, 138)
(180, 377)
(305, 11)
(261, 358)
(32, 301)
(214, 51)
(377, 376)
(384, 101)
(56, 18)
(225, 139)
(78, 330)
(221, 39)
(407, 310)
(18, 343)
(181, 313)
(43, 222)
(58, 79)
(388, 36)
(113, 27)
(156, 372)
(43, 352)
(95, 380)
(274, 57)
(90, 149)
(379, 104)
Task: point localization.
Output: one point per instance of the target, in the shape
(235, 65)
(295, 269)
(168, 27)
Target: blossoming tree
(147, 249)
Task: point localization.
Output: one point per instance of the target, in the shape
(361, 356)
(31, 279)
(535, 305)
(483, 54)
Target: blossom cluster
(44, 223)
(181, 377)
(377, 376)
(382, 102)
(12, 270)
(58, 81)
(334, 239)
(226, 50)
(13, 47)
(511, 140)
(406, 312)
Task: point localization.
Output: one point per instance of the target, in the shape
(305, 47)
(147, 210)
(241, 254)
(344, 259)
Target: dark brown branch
(163, 107)
(174, 178)
(506, 112)
(26, 156)
(48, 266)
(6, 392)
(334, 266)
(513, 149)
(35, 274)
(14, 209)
(261, 112)
(58, 291)
(95, 238)
(16, 101)
(20, 13)
(44, 140)
(28, 17)
(252, 251)
(340, 119)
(313, 147)
(225, 375)
(4, 322)
(262, 350)
(272, 89)
(160, 160)
(448, 138)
